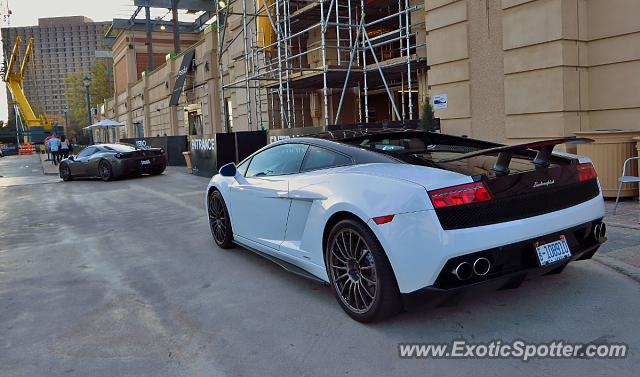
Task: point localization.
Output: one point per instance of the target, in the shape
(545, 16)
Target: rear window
(428, 151)
(119, 148)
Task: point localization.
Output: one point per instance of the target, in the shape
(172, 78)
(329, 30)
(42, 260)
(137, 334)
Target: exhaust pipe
(463, 271)
(481, 266)
(599, 231)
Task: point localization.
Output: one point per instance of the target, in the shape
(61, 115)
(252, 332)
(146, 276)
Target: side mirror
(71, 158)
(228, 170)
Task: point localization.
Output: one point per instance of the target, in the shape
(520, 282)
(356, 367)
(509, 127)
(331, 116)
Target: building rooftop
(67, 20)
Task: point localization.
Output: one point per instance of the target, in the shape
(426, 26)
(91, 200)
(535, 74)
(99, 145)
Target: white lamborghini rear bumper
(418, 248)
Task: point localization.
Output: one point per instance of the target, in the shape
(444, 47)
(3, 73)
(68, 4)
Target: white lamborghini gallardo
(390, 216)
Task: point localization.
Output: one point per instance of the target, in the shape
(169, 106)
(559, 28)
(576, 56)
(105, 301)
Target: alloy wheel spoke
(346, 274)
(355, 248)
(347, 249)
(359, 288)
(366, 291)
(350, 293)
(343, 254)
(342, 288)
(339, 258)
(360, 304)
(365, 251)
(354, 280)
(372, 282)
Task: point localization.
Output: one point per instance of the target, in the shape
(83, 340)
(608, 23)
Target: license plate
(145, 162)
(553, 252)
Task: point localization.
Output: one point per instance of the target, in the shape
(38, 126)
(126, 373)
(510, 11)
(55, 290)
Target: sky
(27, 12)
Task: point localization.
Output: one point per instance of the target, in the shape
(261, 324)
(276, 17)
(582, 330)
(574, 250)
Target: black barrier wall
(172, 145)
(203, 155)
(209, 152)
(248, 142)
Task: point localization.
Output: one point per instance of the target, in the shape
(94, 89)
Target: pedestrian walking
(64, 147)
(54, 145)
(46, 146)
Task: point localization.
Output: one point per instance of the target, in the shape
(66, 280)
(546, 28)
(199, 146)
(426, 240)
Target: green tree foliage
(427, 121)
(75, 94)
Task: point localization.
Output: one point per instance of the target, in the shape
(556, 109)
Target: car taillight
(462, 194)
(586, 172)
(383, 219)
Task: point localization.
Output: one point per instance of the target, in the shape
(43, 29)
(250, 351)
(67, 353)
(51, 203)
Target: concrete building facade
(141, 97)
(61, 45)
(501, 70)
(515, 70)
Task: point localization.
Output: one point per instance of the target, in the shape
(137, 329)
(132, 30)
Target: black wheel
(157, 170)
(105, 171)
(360, 273)
(219, 221)
(65, 172)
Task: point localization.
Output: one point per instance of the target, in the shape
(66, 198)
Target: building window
(229, 115)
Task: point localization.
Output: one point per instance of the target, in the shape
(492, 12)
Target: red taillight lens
(457, 195)
(383, 219)
(586, 172)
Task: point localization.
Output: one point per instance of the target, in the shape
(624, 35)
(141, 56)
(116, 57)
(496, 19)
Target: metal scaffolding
(293, 57)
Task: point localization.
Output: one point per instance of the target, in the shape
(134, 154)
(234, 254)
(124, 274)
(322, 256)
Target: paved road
(122, 279)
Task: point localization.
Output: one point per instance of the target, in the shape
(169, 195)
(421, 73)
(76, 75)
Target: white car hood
(429, 178)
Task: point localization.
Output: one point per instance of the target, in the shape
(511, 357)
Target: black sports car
(112, 161)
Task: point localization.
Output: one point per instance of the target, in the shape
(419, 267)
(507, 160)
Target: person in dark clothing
(64, 147)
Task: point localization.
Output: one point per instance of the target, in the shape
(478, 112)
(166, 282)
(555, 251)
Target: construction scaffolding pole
(364, 64)
(220, 39)
(287, 50)
(384, 81)
(323, 44)
(246, 62)
(280, 86)
(285, 15)
(408, 46)
(255, 58)
(352, 54)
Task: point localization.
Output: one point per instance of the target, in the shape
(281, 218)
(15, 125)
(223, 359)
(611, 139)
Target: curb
(622, 267)
(42, 165)
(44, 172)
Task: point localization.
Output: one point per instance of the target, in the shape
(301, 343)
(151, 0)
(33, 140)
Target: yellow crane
(15, 79)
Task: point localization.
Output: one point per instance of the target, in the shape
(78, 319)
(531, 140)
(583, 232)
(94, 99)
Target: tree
(428, 121)
(76, 98)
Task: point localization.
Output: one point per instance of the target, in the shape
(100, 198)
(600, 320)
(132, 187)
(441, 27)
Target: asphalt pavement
(123, 279)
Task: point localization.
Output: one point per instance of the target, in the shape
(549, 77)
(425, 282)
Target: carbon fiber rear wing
(543, 149)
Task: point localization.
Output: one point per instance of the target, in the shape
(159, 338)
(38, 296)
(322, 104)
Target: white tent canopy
(103, 127)
(105, 123)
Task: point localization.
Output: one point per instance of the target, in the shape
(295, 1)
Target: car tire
(360, 273)
(105, 171)
(219, 221)
(65, 173)
(158, 170)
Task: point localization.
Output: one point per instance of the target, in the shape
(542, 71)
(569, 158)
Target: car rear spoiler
(543, 148)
